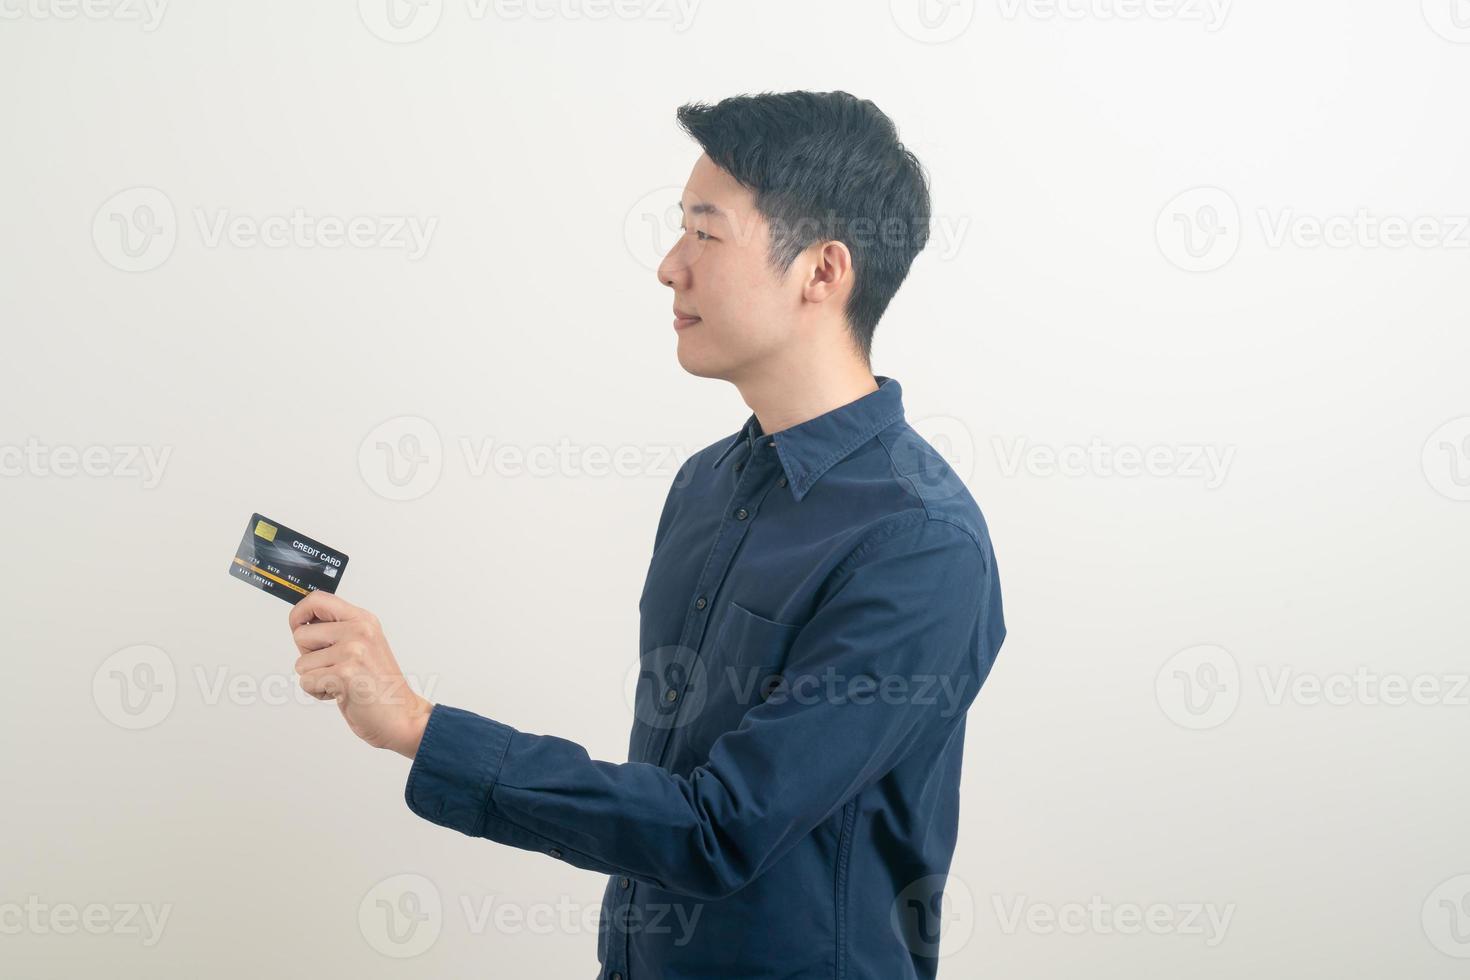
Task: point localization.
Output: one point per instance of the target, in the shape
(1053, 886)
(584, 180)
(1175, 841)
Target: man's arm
(915, 608)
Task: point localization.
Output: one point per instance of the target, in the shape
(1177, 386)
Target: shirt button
(671, 695)
(781, 482)
(616, 976)
(739, 467)
(772, 444)
(554, 853)
(741, 514)
(701, 602)
(623, 882)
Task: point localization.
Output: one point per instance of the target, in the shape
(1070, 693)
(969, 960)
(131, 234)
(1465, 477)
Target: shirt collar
(809, 449)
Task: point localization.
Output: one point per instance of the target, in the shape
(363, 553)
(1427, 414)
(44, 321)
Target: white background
(1201, 704)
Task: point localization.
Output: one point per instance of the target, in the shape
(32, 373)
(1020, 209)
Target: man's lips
(682, 320)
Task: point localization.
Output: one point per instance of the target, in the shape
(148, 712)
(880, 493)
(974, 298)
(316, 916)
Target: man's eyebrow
(703, 207)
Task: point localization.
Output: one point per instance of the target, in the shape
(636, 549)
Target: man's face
(719, 272)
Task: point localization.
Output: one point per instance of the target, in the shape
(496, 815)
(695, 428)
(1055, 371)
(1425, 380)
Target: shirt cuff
(456, 767)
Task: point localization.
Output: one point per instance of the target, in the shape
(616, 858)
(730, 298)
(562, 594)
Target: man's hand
(345, 657)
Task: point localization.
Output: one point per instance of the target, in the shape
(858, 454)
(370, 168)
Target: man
(821, 607)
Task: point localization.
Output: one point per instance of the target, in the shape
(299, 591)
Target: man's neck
(781, 400)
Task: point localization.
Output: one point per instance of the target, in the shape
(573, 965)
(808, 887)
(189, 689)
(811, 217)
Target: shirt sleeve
(915, 608)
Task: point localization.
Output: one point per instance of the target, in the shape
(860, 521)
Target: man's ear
(831, 271)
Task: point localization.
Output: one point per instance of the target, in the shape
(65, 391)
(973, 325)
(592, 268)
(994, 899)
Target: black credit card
(285, 563)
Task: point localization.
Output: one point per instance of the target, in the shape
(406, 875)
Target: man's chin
(699, 364)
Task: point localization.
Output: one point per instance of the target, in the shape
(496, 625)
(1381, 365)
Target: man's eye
(703, 236)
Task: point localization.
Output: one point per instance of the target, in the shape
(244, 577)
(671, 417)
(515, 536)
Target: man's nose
(673, 271)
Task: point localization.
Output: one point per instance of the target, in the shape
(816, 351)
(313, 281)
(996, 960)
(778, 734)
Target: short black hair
(824, 166)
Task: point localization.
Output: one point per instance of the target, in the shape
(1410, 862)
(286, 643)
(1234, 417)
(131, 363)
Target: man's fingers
(317, 660)
(322, 606)
(322, 684)
(319, 636)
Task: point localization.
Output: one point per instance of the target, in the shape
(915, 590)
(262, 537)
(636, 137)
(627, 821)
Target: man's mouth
(682, 320)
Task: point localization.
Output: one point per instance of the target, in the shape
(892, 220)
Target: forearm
(543, 793)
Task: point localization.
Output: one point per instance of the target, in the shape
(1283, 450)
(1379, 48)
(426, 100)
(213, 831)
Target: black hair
(824, 166)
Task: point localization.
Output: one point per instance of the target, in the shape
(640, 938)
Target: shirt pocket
(753, 640)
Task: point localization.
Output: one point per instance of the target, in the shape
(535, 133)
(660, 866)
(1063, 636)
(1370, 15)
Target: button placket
(618, 951)
(742, 506)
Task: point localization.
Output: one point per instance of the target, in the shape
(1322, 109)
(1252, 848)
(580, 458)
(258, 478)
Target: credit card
(285, 563)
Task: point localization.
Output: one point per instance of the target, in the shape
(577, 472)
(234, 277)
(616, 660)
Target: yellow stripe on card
(265, 574)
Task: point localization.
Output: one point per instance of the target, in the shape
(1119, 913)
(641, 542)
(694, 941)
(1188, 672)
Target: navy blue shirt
(820, 609)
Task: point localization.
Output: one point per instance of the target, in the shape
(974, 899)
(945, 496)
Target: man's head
(801, 219)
